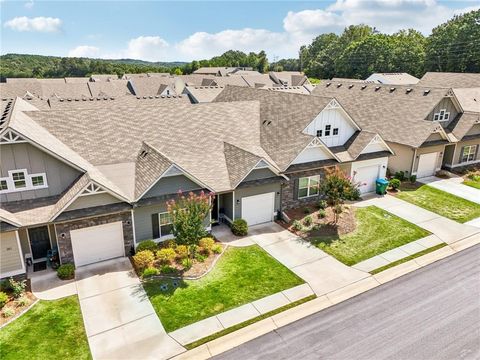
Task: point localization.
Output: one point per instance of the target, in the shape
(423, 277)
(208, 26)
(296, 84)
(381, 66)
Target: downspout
(413, 162)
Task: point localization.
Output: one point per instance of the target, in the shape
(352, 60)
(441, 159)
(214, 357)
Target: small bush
(166, 255)
(352, 194)
(17, 287)
(5, 285)
(308, 220)
(297, 225)
(413, 179)
(322, 204)
(66, 271)
(166, 269)
(317, 227)
(3, 299)
(187, 263)
(206, 244)
(143, 259)
(200, 257)
(239, 227)
(23, 301)
(168, 244)
(217, 249)
(322, 213)
(400, 175)
(395, 184)
(181, 251)
(150, 271)
(147, 245)
(306, 210)
(8, 312)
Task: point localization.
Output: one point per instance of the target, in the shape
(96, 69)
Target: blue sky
(181, 30)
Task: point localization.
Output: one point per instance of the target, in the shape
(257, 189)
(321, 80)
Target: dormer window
(335, 131)
(443, 115)
(20, 180)
(3, 185)
(327, 130)
(319, 133)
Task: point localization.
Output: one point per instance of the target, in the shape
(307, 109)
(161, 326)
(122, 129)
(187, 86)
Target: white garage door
(97, 243)
(367, 176)
(427, 163)
(258, 209)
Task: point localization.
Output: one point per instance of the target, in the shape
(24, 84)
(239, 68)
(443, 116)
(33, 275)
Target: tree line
(356, 53)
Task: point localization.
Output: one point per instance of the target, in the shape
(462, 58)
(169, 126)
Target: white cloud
(36, 24)
(151, 48)
(29, 5)
(312, 22)
(84, 51)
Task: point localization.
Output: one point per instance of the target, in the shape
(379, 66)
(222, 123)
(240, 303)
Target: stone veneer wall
(65, 243)
(290, 189)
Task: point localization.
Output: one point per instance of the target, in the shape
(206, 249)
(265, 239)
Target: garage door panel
(97, 243)
(258, 209)
(427, 165)
(367, 176)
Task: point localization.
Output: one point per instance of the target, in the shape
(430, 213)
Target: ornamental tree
(188, 214)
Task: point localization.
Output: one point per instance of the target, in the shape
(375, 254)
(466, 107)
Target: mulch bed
(18, 309)
(405, 186)
(345, 224)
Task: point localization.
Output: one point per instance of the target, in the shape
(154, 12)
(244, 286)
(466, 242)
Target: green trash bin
(381, 186)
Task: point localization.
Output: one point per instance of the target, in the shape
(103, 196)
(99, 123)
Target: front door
(39, 241)
(215, 210)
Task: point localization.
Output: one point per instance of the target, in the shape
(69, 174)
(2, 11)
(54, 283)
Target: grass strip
(248, 322)
(408, 258)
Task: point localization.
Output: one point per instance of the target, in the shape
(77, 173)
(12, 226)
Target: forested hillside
(356, 53)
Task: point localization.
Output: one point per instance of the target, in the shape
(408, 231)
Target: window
(37, 180)
(319, 133)
(3, 185)
(308, 186)
(165, 223)
(327, 130)
(335, 131)
(443, 115)
(19, 180)
(469, 153)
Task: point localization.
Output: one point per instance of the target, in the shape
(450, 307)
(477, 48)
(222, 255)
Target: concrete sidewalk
(453, 186)
(446, 230)
(119, 319)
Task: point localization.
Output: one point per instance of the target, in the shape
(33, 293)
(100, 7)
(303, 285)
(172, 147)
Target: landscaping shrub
(3, 299)
(166, 255)
(181, 251)
(206, 244)
(239, 227)
(147, 245)
(5, 285)
(168, 244)
(8, 312)
(322, 213)
(217, 249)
(187, 263)
(66, 271)
(322, 204)
(400, 175)
(150, 271)
(474, 177)
(306, 210)
(297, 225)
(143, 259)
(17, 287)
(413, 179)
(352, 194)
(308, 220)
(166, 269)
(395, 184)
(200, 257)
(23, 301)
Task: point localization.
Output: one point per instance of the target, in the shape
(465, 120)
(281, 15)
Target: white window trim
(160, 227)
(470, 152)
(309, 178)
(442, 118)
(28, 182)
(324, 130)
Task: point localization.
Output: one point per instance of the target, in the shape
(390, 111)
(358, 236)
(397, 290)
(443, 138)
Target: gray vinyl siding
(434, 137)
(258, 174)
(83, 202)
(171, 185)
(25, 156)
(475, 130)
(445, 103)
(256, 190)
(22, 234)
(448, 155)
(10, 254)
(143, 220)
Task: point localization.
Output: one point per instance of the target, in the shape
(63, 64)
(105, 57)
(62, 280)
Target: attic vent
(408, 91)
(143, 154)
(392, 89)
(264, 122)
(338, 85)
(426, 92)
(350, 86)
(377, 88)
(269, 122)
(364, 87)
(328, 84)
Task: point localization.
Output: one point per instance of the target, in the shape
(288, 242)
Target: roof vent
(392, 89)
(84, 99)
(377, 88)
(408, 91)
(338, 85)
(426, 92)
(143, 154)
(77, 99)
(61, 100)
(69, 99)
(264, 122)
(269, 122)
(91, 99)
(364, 87)
(350, 86)
(157, 96)
(328, 84)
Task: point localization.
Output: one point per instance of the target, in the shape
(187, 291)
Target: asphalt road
(432, 313)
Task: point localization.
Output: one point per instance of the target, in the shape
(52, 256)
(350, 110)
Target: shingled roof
(450, 80)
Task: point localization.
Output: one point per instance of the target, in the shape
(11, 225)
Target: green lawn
(49, 330)
(472, 183)
(377, 231)
(442, 203)
(240, 276)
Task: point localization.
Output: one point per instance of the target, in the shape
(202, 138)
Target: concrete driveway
(119, 319)
(321, 271)
(453, 186)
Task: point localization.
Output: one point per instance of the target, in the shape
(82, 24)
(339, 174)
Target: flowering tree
(338, 187)
(188, 213)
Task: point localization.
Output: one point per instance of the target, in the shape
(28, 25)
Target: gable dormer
(444, 112)
(333, 125)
